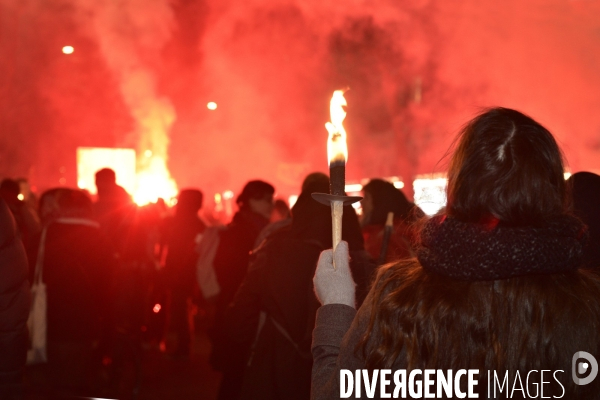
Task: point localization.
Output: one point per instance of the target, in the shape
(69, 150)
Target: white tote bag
(37, 321)
(205, 270)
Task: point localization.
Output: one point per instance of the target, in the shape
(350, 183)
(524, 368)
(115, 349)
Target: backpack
(205, 270)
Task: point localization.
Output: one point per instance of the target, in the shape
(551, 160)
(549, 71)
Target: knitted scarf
(480, 252)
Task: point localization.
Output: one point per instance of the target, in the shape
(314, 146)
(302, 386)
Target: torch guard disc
(326, 198)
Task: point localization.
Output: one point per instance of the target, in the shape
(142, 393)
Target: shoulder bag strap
(39, 262)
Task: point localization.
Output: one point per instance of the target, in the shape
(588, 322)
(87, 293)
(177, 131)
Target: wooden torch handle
(337, 210)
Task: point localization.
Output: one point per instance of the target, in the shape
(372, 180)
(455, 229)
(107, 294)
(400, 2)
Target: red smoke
(416, 72)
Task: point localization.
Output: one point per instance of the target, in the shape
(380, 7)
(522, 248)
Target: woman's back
(496, 285)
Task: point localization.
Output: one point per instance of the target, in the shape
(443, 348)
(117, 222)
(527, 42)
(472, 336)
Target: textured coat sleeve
(338, 330)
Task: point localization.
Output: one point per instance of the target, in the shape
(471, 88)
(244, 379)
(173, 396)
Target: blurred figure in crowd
(496, 285)
(273, 312)
(314, 178)
(133, 232)
(28, 223)
(77, 265)
(181, 234)
(14, 307)
(230, 265)
(586, 201)
(49, 206)
(114, 208)
(280, 217)
(380, 198)
(281, 211)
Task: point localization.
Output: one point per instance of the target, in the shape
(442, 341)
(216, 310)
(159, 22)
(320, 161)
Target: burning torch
(337, 153)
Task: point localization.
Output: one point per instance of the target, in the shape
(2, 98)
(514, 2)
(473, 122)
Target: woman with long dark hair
(495, 286)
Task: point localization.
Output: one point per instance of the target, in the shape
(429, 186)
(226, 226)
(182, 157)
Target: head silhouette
(257, 197)
(384, 198)
(106, 180)
(189, 202)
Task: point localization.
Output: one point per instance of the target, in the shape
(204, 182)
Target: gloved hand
(335, 286)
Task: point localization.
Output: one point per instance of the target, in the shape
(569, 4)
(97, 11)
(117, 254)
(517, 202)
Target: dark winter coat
(232, 257)
(231, 265)
(279, 284)
(78, 268)
(279, 291)
(14, 306)
(180, 233)
(126, 225)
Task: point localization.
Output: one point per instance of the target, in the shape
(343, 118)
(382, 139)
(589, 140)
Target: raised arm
(338, 327)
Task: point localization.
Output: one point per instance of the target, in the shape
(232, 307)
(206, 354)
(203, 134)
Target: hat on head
(255, 190)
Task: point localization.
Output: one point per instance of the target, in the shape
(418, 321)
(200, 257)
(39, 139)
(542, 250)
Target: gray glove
(335, 286)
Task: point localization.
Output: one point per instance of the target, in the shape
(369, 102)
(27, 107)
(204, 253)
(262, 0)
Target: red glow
(157, 307)
(417, 72)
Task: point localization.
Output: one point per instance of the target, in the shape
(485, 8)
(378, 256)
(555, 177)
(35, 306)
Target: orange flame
(154, 116)
(154, 182)
(337, 150)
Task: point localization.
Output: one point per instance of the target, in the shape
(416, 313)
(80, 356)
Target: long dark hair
(517, 324)
(386, 198)
(506, 166)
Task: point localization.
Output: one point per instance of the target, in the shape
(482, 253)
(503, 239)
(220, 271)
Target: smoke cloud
(143, 71)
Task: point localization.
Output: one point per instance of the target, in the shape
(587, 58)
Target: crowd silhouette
(504, 278)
